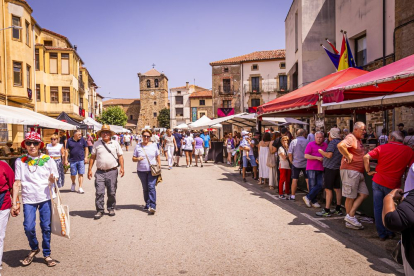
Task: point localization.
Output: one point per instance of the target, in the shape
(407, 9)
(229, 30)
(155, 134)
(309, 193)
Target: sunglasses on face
(146, 136)
(53, 139)
(106, 132)
(29, 143)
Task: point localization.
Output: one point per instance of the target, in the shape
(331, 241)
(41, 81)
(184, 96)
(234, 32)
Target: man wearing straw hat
(108, 156)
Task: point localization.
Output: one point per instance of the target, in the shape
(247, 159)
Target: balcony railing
(81, 84)
(226, 90)
(266, 88)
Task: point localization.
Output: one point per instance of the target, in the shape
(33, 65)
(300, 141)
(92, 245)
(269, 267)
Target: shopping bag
(60, 222)
(271, 160)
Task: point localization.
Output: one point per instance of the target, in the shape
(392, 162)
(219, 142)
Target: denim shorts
(252, 161)
(77, 167)
(296, 172)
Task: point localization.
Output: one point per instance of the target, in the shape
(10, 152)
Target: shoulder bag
(117, 160)
(271, 159)
(155, 169)
(60, 223)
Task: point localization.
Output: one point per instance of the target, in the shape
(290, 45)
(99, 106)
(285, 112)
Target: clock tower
(153, 87)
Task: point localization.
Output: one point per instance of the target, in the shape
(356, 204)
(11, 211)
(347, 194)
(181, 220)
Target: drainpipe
(384, 112)
(5, 52)
(34, 68)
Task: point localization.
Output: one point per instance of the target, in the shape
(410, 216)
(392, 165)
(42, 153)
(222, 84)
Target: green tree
(164, 118)
(113, 115)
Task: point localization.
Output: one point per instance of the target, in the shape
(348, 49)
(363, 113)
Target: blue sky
(118, 39)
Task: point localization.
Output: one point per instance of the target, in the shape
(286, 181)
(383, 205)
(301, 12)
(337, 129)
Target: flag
(334, 57)
(332, 46)
(343, 60)
(351, 60)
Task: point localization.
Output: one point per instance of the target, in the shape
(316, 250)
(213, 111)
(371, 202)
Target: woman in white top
(169, 145)
(147, 153)
(33, 173)
(284, 168)
(187, 147)
(263, 154)
(57, 152)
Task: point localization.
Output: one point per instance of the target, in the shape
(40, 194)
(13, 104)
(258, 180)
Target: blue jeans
(77, 167)
(148, 186)
(29, 224)
(379, 192)
(315, 179)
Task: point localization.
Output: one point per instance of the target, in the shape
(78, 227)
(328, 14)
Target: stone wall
(234, 75)
(404, 29)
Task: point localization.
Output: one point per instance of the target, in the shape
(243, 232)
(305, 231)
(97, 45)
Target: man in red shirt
(393, 160)
(6, 183)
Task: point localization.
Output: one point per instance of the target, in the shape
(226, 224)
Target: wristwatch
(17, 202)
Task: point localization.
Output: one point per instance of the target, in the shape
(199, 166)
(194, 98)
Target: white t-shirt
(127, 138)
(35, 185)
(54, 151)
(188, 143)
(283, 163)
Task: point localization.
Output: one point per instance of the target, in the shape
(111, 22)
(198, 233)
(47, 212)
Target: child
(245, 143)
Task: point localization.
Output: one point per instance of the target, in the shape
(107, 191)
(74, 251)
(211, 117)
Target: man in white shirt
(108, 156)
(127, 141)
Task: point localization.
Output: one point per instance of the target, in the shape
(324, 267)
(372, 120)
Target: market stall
(65, 118)
(94, 125)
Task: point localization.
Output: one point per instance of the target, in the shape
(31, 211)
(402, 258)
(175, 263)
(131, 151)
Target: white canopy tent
(91, 122)
(202, 122)
(117, 129)
(22, 116)
(182, 126)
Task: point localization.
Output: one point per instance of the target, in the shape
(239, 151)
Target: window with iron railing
(54, 94)
(226, 86)
(66, 94)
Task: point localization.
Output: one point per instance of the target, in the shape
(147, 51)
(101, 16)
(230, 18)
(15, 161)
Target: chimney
(186, 85)
(75, 47)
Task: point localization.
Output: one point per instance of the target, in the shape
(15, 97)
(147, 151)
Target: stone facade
(153, 87)
(201, 103)
(404, 29)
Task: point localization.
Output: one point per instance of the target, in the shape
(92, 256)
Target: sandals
(50, 262)
(29, 259)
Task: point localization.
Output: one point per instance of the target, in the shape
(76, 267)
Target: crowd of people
(335, 161)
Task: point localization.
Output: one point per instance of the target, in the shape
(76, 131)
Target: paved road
(206, 224)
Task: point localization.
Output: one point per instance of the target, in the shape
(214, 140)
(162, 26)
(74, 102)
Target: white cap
(243, 133)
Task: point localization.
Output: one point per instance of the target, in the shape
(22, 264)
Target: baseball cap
(244, 132)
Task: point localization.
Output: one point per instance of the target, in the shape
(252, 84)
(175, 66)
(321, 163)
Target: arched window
(155, 103)
(148, 83)
(156, 82)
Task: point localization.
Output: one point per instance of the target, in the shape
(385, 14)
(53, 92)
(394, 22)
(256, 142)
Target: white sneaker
(316, 205)
(151, 210)
(81, 191)
(353, 221)
(307, 201)
(73, 187)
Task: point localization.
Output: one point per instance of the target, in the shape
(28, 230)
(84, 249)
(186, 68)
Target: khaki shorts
(199, 152)
(353, 183)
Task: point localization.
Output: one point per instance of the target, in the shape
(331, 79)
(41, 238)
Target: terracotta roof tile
(259, 55)
(121, 101)
(58, 48)
(53, 33)
(202, 94)
(192, 85)
(152, 73)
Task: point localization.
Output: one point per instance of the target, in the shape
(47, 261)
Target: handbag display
(60, 222)
(155, 169)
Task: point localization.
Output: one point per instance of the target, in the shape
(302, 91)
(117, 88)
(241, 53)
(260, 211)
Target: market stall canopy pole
(23, 116)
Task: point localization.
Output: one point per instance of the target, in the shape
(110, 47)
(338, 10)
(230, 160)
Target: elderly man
(352, 174)
(393, 159)
(314, 169)
(297, 158)
(78, 151)
(331, 163)
(108, 156)
(247, 145)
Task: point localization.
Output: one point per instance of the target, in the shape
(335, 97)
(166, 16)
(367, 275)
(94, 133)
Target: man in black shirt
(256, 143)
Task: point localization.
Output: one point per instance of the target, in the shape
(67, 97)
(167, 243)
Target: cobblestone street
(206, 224)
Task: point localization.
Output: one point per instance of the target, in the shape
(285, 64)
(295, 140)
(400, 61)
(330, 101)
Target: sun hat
(105, 128)
(32, 136)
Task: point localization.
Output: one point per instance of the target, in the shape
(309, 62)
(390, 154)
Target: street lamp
(14, 27)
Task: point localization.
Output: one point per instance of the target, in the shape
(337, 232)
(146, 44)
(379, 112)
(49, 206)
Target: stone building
(131, 107)
(201, 103)
(153, 87)
(180, 107)
(242, 83)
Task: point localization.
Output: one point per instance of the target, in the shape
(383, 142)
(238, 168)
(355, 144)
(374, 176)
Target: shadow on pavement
(14, 258)
(131, 207)
(84, 213)
(348, 238)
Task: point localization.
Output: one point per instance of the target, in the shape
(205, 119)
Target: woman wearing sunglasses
(56, 152)
(147, 153)
(33, 172)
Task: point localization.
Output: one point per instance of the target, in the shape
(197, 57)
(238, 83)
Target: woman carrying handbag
(147, 155)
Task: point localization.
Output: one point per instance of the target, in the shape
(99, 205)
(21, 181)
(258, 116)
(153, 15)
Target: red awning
(396, 77)
(308, 95)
